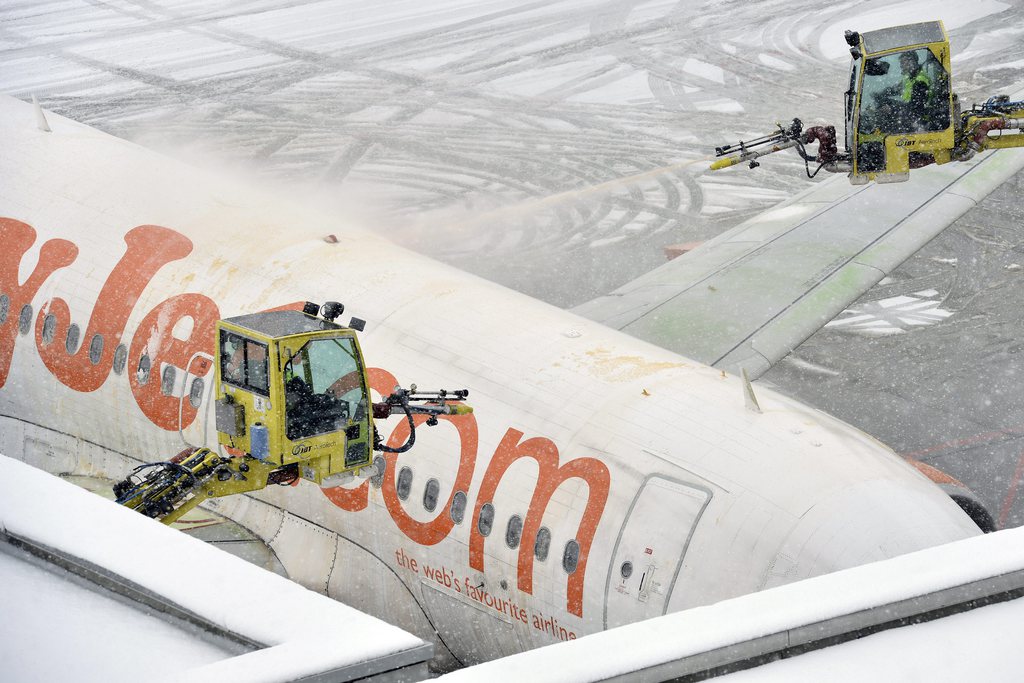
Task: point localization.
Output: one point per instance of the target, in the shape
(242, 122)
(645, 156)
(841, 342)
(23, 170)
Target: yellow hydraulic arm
(997, 124)
(168, 490)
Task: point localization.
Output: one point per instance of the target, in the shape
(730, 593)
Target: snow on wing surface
(750, 296)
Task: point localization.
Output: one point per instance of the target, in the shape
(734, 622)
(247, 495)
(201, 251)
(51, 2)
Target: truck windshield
(324, 388)
(904, 92)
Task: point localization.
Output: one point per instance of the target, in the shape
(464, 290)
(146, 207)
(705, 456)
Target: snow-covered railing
(270, 628)
(785, 621)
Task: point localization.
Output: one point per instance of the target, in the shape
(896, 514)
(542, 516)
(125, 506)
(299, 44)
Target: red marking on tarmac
(1011, 494)
(1018, 474)
(676, 250)
(968, 441)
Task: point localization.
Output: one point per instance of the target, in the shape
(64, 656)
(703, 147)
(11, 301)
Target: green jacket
(909, 83)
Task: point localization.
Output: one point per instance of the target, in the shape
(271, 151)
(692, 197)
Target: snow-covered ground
(504, 137)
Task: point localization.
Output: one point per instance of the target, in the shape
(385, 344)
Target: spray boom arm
(413, 402)
(793, 136)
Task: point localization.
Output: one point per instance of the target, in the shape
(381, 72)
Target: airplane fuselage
(601, 480)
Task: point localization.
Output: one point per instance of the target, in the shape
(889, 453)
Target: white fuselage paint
(705, 499)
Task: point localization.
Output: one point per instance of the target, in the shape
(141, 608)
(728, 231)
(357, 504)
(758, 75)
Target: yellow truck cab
(292, 389)
(899, 107)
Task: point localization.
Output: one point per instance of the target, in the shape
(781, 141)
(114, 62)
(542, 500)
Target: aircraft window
(71, 343)
(142, 374)
(626, 569)
(195, 394)
(514, 531)
(380, 464)
(404, 484)
(167, 378)
(49, 328)
(430, 492)
(571, 556)
(542, 544)
(120, 358)
(96, 349)
(458, 511)
(25, 319)
(5, 307)
(486, 520)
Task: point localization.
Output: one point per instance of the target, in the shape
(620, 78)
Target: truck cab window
(243, 363)
(256, 366)
(232, 359)
(323, 388)
(904, 92)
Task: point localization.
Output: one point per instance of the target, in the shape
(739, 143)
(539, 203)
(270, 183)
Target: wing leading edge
(747, 298)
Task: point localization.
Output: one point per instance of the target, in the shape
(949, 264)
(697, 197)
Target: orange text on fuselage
(85, 368)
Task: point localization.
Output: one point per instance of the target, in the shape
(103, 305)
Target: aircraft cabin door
(650, 548)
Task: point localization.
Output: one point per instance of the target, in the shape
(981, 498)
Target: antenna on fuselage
(748, 392)
(41, 123)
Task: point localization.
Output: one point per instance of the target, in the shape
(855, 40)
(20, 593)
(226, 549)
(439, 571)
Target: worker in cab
(894, 103)
(916, 93)
(299, 408)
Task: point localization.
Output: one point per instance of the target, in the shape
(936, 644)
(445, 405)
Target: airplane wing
(751, 295)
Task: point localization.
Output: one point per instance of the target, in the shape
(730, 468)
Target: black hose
(808, 169)
(381, 446)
